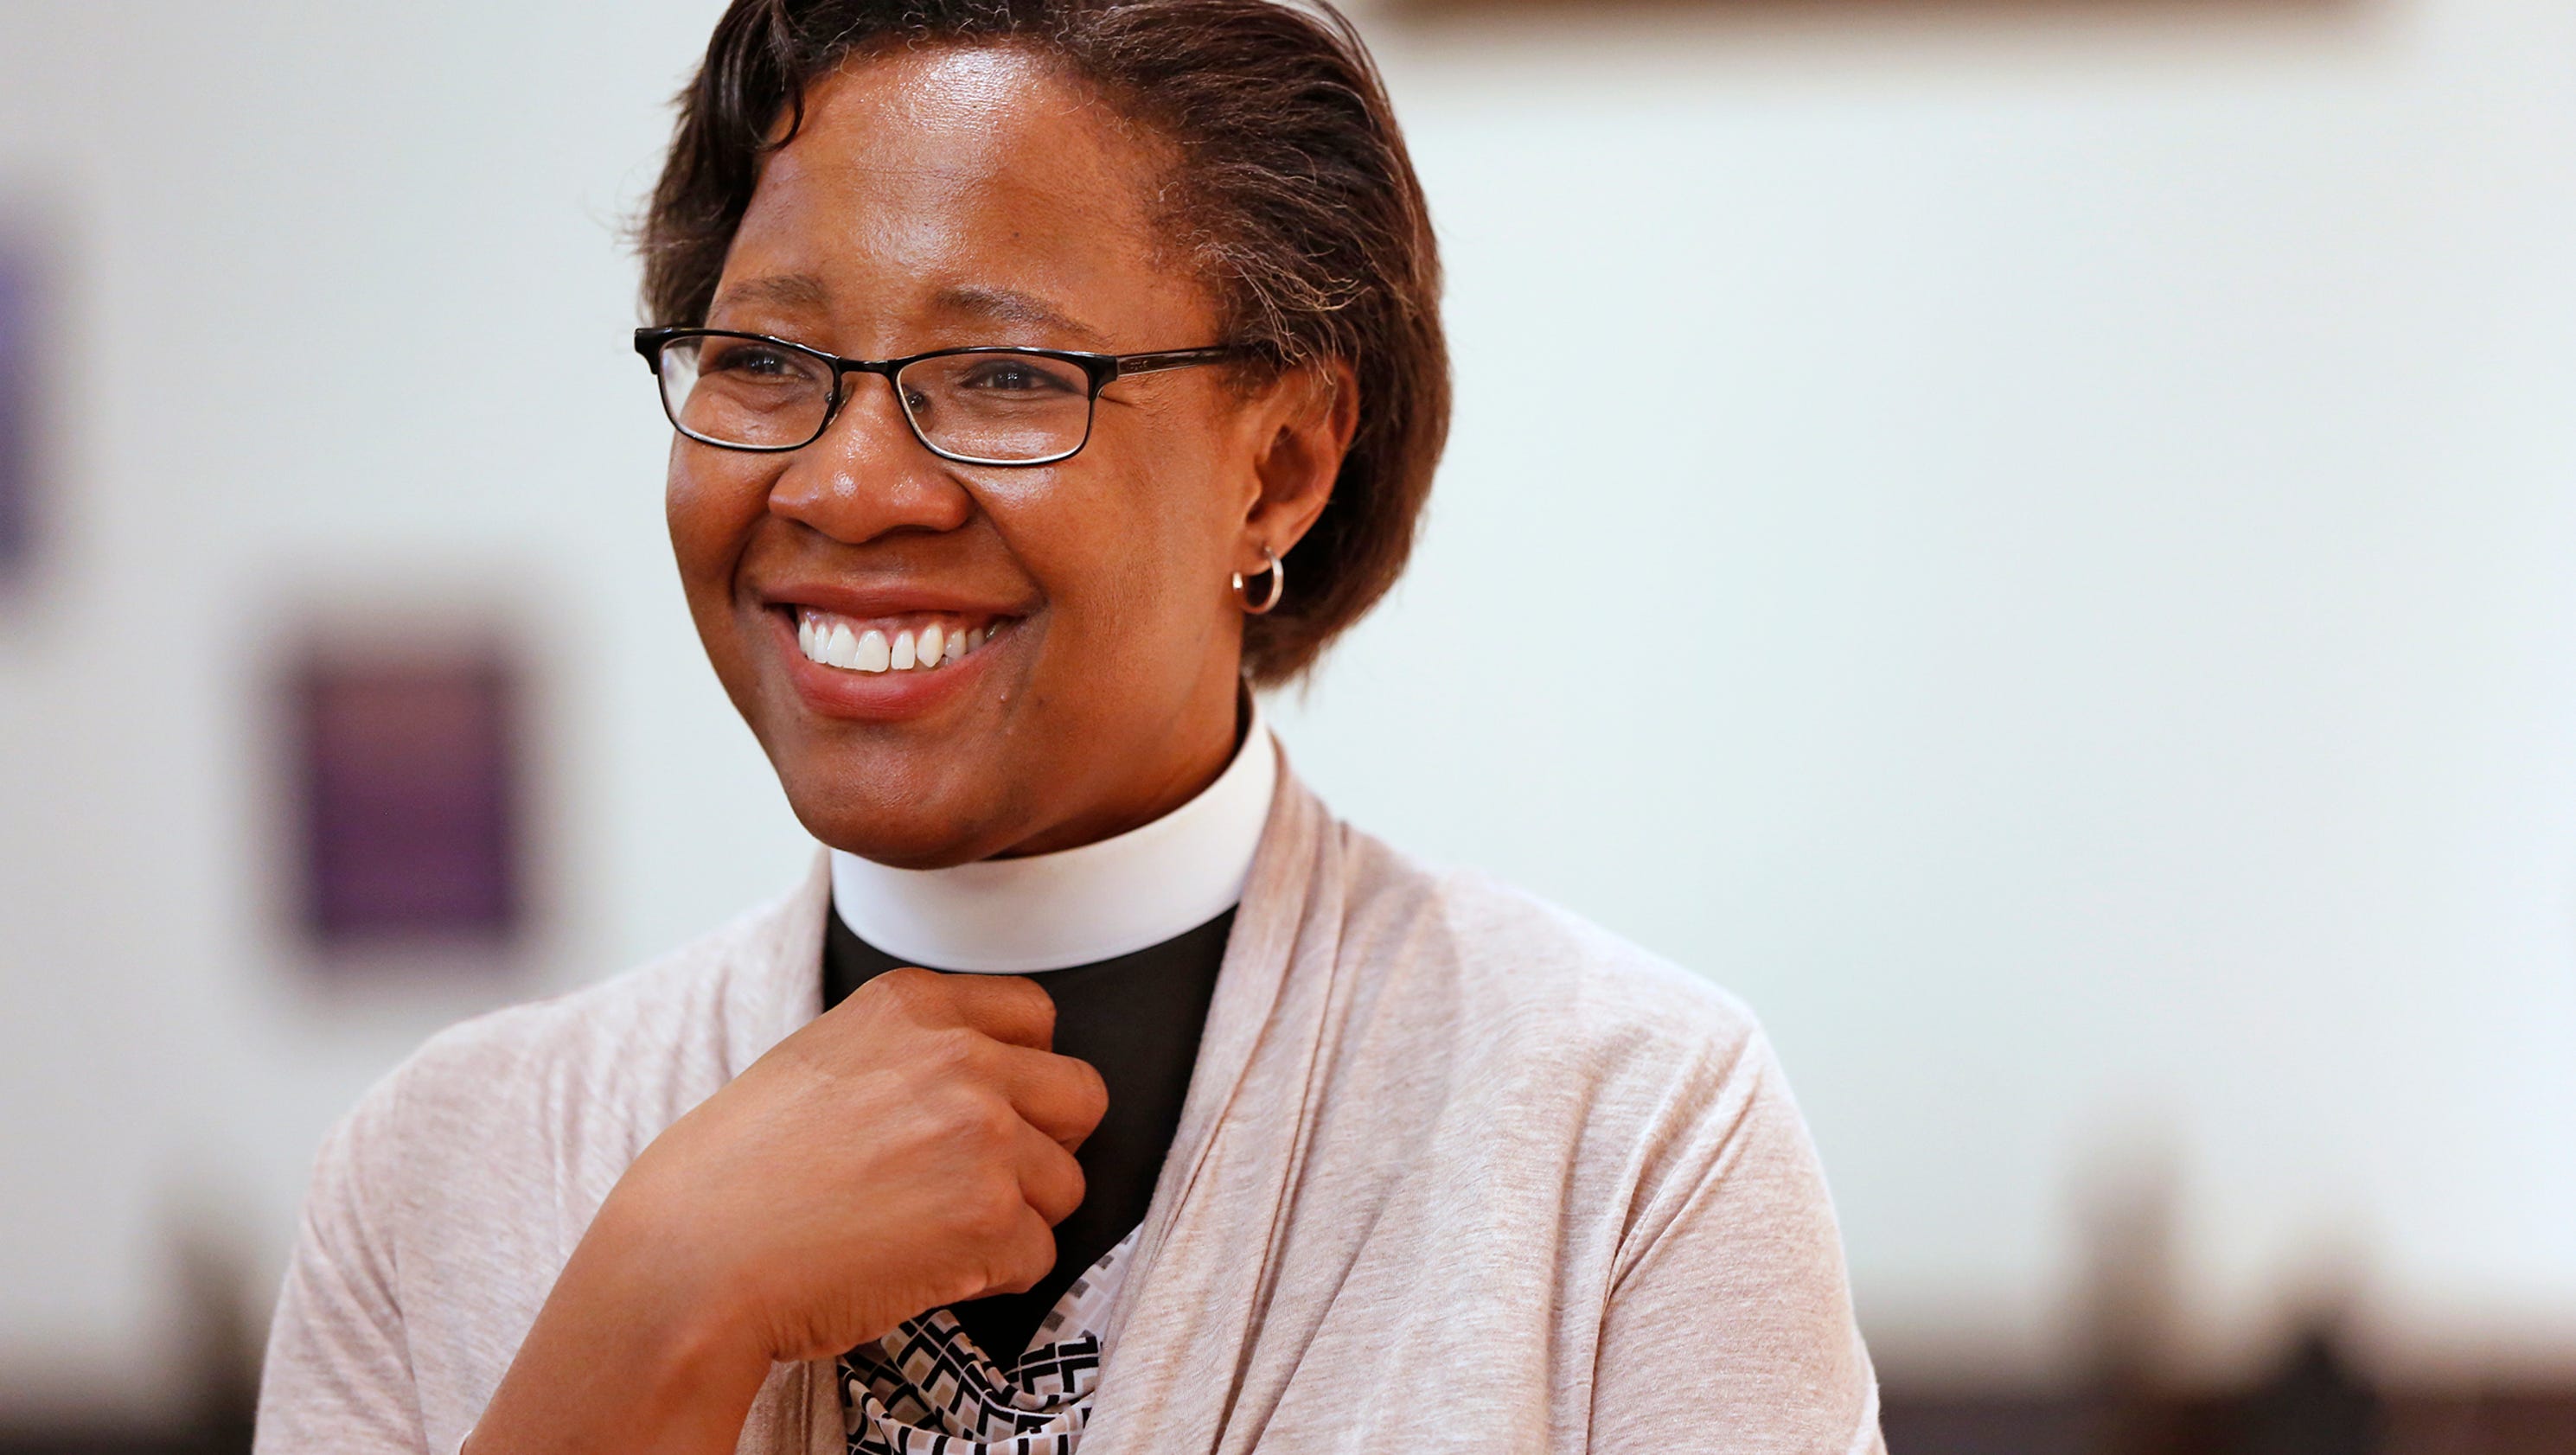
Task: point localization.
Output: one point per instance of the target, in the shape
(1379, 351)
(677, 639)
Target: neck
(1074, 906)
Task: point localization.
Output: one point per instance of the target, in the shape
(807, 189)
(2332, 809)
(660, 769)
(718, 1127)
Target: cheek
(1128, 552)
(1192, 497)
(711, 505)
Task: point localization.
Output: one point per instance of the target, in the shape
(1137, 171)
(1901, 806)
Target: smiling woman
(1044, 376)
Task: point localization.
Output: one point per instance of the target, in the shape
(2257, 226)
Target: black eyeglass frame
(1102, 370)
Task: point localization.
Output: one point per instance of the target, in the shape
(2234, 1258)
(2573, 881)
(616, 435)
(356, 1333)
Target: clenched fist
(911, 1148)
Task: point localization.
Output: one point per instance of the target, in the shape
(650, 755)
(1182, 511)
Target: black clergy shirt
(1136, 1019)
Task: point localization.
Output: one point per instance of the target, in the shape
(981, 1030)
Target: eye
(1012, 374)
(746, 358)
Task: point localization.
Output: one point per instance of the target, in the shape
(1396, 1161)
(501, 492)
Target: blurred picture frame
(409, 777)
(22, 287)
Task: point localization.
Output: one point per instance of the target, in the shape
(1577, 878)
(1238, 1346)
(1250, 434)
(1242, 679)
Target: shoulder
(641, 1025)
(1535, 979)
(1546, 1041)
(555, 1095)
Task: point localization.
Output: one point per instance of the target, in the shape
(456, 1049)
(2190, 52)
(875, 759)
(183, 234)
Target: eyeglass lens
(1004, 408)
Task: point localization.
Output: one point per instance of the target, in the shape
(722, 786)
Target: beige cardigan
(1457, 1171)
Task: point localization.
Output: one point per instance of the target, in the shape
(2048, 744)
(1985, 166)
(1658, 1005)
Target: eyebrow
(803, 292)
(784, 290)
(1009, 305)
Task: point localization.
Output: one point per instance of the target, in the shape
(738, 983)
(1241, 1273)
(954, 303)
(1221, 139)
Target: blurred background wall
(2030, 541)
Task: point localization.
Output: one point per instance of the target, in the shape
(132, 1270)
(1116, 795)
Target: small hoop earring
(1278, 584)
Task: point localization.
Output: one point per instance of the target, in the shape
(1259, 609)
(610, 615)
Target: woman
(1043, 373)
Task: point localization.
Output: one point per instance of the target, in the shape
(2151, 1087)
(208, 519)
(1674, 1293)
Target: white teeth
(837, 641)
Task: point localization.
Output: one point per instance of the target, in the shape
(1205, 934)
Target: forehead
(919, 178)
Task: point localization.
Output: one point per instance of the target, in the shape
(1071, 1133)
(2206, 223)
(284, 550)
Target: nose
(868, 474)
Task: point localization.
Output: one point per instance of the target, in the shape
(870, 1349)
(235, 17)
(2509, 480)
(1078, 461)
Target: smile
(913, 643)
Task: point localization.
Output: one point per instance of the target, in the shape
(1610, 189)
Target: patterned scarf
(925, 1389)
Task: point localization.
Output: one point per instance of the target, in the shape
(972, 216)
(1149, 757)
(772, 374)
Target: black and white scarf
(926, 1389)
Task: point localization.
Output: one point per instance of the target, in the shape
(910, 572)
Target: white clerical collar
(1079, 906)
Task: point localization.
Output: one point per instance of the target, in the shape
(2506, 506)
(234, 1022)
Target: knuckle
(1024, 1259)
(967, 1283)
(1091, 1093)
(990, 1214)
(909, 988)
(1037, 1246)
(1065, 1193)
(1039, 1008)
(994, 1119)
(951, 1052)
(981, 1121)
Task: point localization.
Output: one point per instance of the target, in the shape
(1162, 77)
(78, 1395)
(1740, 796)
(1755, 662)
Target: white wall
(2072, 619)
(2033, 548)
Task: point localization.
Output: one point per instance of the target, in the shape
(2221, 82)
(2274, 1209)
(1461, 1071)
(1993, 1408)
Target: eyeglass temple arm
(1171, 359)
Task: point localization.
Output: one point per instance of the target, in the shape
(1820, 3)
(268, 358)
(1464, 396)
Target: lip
(879, 696)
(863, 601)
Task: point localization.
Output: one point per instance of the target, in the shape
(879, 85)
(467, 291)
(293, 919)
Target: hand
(911, 1148)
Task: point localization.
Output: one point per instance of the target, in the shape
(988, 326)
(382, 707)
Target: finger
(1024, 1257)
(1058, 1095)
(1009, 1008)
(1051, 1182)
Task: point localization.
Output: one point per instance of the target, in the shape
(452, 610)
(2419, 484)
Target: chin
(892, 824)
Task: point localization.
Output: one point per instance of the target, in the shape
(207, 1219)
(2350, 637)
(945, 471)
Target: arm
(909, 1149)
(337, 1377)
(621, 1345)
(628, 1354)
(1730, 1325)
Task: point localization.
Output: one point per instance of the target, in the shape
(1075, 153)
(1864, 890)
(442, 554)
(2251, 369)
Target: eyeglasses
(979, 406)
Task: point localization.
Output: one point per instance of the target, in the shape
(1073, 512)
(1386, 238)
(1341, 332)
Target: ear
(1307, 425)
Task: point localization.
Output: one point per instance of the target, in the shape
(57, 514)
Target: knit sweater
(1457, 1171)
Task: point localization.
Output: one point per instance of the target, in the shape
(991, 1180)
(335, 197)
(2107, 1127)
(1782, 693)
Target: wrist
(700, 1380)
(628, 1355)
(681, 1305)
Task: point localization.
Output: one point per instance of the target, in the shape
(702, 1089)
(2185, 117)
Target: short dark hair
(1305, 219)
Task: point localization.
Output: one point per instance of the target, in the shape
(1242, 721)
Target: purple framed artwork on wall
(411, 800)
(18, 404)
